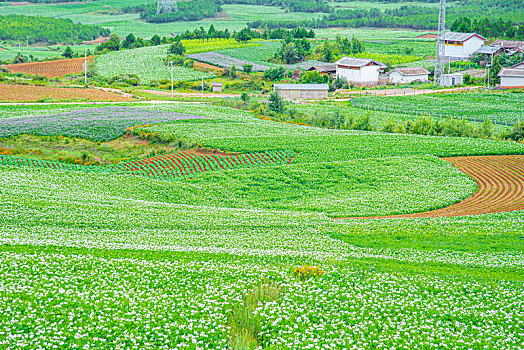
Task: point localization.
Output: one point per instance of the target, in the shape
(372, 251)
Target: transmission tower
(166, 6)
(440, 65)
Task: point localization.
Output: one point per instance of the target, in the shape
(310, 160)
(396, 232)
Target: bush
(306, 272)
(275, 74)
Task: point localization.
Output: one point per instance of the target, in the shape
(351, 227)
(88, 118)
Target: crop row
(176, 166)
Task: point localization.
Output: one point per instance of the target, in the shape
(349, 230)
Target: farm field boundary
(50, 69)
(500, 181)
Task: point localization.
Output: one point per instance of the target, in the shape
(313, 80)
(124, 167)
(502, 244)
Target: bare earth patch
(51, 69)
(27, 93)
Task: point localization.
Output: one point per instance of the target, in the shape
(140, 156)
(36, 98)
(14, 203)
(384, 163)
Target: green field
(162, 265)
(147, 63)
(500, 108)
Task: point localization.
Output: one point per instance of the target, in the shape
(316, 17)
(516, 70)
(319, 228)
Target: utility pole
(489, 78)
(440, 65)
(85, 67)
(172, 77)
(202, 98)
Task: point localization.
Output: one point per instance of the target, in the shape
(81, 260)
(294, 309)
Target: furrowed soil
(28, 93)
(500, 181)
(51, 69)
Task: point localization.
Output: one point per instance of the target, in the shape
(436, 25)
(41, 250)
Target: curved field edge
(500, 181)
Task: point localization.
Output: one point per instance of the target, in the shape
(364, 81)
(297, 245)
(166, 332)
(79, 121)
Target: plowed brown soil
(28, 93)
(51, 69)
(500, 181)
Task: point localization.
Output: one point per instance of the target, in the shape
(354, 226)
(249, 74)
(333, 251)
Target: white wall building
(408, 75)
(359, 70)
(453, 79)
(462, 45)
(512, 77)
(302, 91)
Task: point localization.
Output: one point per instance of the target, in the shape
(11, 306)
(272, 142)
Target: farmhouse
(462, 45)
(359, 70)
(509, 46)
(302, 91)
(512, 77)
(408, 75)
(330, 69)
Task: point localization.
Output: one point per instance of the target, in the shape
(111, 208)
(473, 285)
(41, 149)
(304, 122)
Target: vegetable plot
(98, 124)
(181, 165)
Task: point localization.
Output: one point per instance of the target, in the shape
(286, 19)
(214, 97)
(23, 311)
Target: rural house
(362, 71)
(462, 45)
(330, 69)
(512, 77)
(509, 46)
(302, 91)
(408, 75)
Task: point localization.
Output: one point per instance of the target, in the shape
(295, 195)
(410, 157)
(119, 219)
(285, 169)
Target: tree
(177, 48)
(247, 68)
(113, 44)
(494, 71)
(68, 52)
(277, 73)
(244, 35)
(276, 103)
(245, 98)
(289, 53)
(155, 40)
(129, 41)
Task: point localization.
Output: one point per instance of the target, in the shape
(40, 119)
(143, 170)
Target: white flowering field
(145, 62)
(114, 261)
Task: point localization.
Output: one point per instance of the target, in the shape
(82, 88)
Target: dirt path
(189, 94)
(500, 181)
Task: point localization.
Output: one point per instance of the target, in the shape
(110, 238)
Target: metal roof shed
(302, 91)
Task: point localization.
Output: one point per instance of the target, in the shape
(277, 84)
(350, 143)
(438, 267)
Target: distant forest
(47, 1)
(291, 5)
(415, 17)
(48, 30)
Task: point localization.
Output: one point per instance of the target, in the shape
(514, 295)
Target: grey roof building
(302, 91)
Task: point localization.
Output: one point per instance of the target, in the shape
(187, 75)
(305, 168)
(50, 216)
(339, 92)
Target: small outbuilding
(362, 71)
(462, 45)
(453, 79)
(409, 75)
(217, 87)
(512, 77)
(302, 91)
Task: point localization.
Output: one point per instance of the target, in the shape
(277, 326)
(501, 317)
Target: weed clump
(245, 325)
(306, 272)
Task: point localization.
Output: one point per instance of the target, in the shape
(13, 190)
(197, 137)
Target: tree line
(415, 17)
(490, 29)
(194, 10)
(36, 29)
(290, 5)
